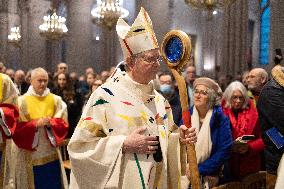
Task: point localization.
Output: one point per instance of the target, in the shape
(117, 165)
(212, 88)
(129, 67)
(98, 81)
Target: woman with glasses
(214, 138)
(246, 133)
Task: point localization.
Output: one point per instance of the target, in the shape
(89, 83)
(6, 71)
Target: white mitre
(137, 38)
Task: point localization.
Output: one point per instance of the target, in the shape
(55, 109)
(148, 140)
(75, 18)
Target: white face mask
(166, 89)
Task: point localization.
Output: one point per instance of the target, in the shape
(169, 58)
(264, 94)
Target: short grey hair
(214, 98)
(36, 71)
(234, 86)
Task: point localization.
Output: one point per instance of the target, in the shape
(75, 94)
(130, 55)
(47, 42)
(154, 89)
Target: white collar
(32, 92)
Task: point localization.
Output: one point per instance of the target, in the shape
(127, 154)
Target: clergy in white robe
(126, 137)
(42, 127)
(8, 120)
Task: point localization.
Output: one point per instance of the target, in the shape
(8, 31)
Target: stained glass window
(264, 33)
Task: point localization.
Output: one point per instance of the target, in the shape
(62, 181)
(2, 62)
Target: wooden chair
(65, 156)
(255, 181)
(230, 185)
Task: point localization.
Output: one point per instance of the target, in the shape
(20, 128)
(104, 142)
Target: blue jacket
(221, 143)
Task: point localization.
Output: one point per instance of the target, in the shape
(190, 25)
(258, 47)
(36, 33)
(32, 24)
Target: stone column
(276, 27)
(53, 54)
(253, 40)
(235, 38)
(191, 21)
(110, 39)
(13, 53)
(79, 41)
(33, 49)
(3, 30)
(24, 8)
(211, 43)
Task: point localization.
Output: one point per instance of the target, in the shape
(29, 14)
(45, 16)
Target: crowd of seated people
(229, 137)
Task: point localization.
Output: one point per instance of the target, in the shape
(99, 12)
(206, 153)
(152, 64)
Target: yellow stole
(1, 88)
(39, 107)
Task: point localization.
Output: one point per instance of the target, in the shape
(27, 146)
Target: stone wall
(277, 27)
(82, 50)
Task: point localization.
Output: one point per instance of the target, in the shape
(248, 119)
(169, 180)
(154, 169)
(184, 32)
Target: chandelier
(107, 12)
(209, 5)
(53, 27)
(14, 37)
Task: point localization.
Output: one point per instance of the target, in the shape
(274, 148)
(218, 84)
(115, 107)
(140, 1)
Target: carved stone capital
(3, 6)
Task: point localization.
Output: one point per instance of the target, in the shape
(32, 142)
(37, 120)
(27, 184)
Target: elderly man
(8, 119)
(42, 127)
(10, 73)
(257, 78)
(61, 68)
(19, 80)
(270, 108)
(126, 137)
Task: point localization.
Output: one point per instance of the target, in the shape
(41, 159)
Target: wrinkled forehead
(40, 75)
(256, 72)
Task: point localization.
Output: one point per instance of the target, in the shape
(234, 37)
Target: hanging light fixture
(107, 12)
(14, 37)
(53, 27)
(209, 5)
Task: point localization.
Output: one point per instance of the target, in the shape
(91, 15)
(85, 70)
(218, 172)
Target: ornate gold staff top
(176, 49)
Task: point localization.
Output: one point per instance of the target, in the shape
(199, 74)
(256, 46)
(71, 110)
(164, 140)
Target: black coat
(270, 108)
(74, 108)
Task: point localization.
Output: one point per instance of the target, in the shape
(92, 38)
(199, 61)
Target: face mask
(166, 89)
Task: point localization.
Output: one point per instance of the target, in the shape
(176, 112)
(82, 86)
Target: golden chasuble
(39, 107)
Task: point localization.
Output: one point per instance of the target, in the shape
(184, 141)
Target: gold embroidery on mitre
(137, 38)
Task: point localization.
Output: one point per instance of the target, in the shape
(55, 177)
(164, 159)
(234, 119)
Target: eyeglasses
(151, 59)
(235, 98)
(201, 92)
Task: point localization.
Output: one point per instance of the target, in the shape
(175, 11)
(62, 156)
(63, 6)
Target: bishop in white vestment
(126, 137)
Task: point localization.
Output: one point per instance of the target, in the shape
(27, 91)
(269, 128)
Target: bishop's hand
(138, 143)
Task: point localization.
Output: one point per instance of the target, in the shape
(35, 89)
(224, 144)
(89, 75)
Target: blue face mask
(166, 89)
